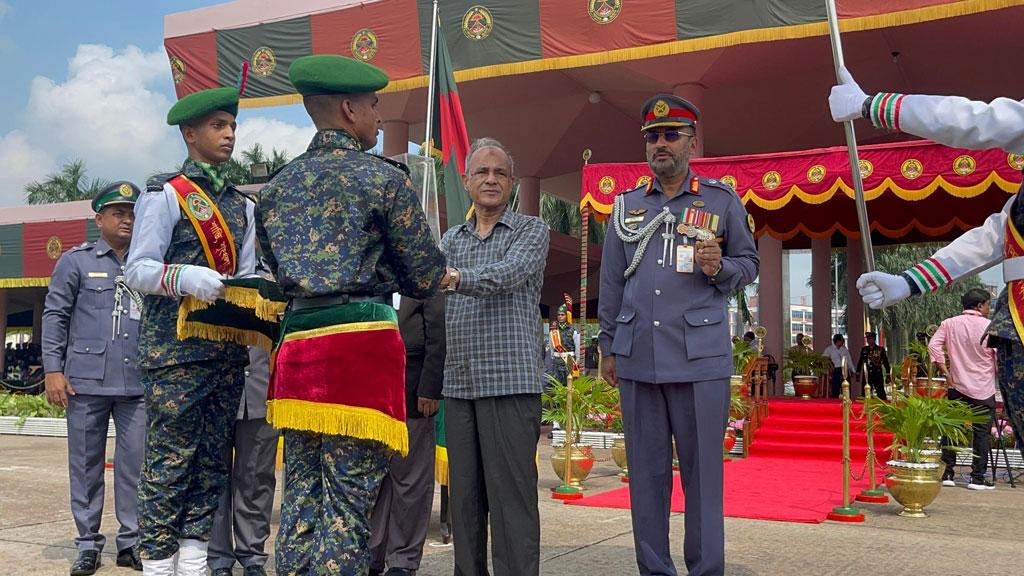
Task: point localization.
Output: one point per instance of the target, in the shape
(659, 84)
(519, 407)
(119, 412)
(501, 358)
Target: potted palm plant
(590, 396)
(805, 366)
(913, 420)
(932, 384)
(742, 354)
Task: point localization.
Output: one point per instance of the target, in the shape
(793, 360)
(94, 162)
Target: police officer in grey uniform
(247, 503)
(90, 344)
(678, 247)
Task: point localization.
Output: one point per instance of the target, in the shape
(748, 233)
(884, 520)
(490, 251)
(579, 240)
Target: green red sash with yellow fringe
(1013, 247)
(341, 370)
(249, 314)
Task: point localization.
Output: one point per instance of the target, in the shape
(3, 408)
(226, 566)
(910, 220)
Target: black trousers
(492, 449)
(981, 443)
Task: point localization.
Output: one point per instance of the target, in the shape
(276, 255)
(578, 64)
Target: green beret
(117, 193)
(334, 74)
(197, 105)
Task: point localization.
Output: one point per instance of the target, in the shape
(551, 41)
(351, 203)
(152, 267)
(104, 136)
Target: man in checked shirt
(493, 372)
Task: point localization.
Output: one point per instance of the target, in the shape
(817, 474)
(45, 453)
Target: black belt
(335, 300)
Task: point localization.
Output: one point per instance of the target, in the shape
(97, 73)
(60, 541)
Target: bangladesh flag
(448, 133)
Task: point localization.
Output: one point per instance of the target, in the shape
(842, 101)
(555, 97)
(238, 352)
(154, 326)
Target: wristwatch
(453, 276)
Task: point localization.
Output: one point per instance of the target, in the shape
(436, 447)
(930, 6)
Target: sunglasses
(669, 135)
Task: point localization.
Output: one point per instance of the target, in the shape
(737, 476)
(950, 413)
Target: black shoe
(87, 564)
(400, 572)
(129, 558)
(222, 572)
(254, 570)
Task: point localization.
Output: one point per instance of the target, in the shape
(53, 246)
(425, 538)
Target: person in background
(837, 352)
(972, 374)
(873, 365)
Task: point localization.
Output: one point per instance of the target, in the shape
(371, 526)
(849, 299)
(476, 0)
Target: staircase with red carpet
(813, 429)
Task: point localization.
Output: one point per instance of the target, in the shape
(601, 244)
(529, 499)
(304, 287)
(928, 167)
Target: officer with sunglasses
(679, 246)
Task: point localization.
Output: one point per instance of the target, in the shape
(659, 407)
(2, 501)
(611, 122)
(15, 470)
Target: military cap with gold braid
(197, 105)
(321, 74)
(117, 193)
(668, 111)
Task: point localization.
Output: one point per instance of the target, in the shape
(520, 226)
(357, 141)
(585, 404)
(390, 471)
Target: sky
(90, 81)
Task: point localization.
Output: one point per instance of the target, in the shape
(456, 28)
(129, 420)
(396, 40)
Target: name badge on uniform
(633, 219)
(133, 310)
(684, 258)
(98, 275)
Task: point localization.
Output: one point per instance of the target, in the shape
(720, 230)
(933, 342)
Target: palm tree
(240, 171)
(68, 185)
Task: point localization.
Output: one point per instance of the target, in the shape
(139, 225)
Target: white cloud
(5, 9)
(271, 133)
(22, 163)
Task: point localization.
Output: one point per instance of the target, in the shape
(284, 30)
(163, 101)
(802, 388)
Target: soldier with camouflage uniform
(197, 228)
(341, 230)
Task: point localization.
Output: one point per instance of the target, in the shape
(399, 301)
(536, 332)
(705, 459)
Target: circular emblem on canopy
(177, 69)
(771, 180)
(816, 173)
(642, 181)
(750, 223)
(199, 207)
(604, 11)
(53, 247)
(477, 23)
(866, 169)
(606, 184)
(728, 179)
(1016, 161)
(364, 44)
(263, 61)
(911, 169)
(964, 164)
(125, 190)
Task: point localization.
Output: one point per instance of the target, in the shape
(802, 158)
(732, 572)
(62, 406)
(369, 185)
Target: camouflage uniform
(192, 386)
(337, 221)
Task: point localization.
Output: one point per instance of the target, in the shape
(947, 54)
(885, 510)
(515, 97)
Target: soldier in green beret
(198, 229)
(342, 230)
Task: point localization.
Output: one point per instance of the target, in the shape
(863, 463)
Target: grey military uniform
(669, 334)
(96, 347)
(241, 525)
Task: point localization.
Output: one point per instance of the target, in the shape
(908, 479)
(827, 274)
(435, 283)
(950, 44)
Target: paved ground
(968, 533)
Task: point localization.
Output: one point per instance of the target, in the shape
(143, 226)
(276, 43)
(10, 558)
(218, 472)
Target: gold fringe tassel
(24, 282)
(791, 32)
(216, 333)
(340, 420)
(250, 298)
(441, 465)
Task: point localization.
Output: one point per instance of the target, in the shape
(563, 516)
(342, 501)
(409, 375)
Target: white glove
(202, 282)
(846, 99)
(879, 289)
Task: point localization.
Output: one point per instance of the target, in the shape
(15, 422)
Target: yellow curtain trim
(340, 328)
(24, 282)
(796, 31)
(216, 333)
(267, 310)
(339, 420)
(441, 465)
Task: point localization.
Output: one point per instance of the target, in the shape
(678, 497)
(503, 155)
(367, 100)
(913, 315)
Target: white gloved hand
(202, 282)
(846, 99)
(879, 289)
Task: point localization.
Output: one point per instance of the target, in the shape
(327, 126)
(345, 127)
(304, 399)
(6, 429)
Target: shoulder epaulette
(157, 181)
(83, 246)
(716, 183)
(401, 166)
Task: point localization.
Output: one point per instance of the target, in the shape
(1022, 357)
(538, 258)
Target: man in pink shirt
(972, 373)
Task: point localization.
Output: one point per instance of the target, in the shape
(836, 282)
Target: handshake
(450, 280)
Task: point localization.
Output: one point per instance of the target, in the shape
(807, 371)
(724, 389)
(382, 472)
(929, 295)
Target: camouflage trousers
(1010, 359)
(190, 409)
(330, 486)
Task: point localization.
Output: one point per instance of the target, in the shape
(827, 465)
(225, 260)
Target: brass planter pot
(805, 386)
(736, 384)
(582, 463)
(934, 387)
(619, 455)
(913, 485)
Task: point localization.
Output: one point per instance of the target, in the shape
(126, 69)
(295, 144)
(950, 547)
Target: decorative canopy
(29, 251)
(489, 38)
(914, 190)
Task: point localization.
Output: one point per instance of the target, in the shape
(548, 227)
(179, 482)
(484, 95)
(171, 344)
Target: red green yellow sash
(206, 218)
(1013, 248)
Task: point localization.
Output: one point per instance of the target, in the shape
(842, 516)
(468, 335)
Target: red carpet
(793, 473)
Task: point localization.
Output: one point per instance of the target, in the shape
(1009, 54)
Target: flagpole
(851, 144)
(429, 128)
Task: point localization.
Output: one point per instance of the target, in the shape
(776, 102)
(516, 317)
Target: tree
(239, 171)
(68, 185)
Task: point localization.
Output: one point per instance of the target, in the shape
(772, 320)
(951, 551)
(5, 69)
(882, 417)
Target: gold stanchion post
(566, 491)
(872, 495)
(846, 512)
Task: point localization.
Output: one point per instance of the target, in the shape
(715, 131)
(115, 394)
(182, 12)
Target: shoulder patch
(396, 164)
(83, 246)
(157, 181)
